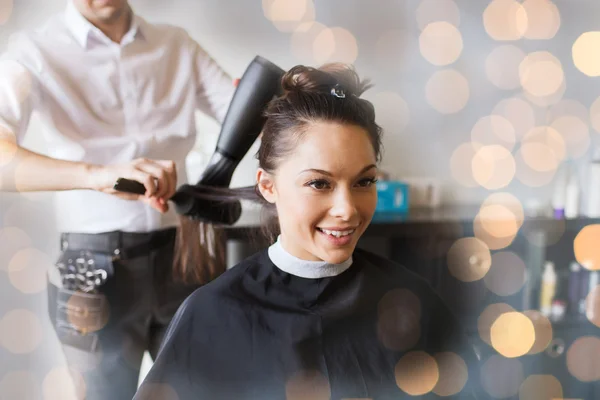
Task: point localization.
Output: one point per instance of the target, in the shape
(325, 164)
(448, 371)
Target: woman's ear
(266, 185)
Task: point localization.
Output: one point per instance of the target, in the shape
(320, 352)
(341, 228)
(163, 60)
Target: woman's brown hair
(330, 93)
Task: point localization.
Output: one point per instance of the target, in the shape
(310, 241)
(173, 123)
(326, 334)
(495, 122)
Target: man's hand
(159, 177)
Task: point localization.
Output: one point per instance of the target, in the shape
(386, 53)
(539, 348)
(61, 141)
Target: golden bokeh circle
(469, 259)
(592, 306)
(493, 167)
(303, 39)
(488, 316)
(540, 387)
(543, 331)
(453, 374)
(6, 9)
(543, 19)
(501, 377)
(543, 149)
(512, 334)
(440, 43)
(399, 320)
(541, 74)
(447, 91)
(64, 383)
(505, 20)
(529, 176)
(595, 114)
(20, 331)
(12, 240)
(308, 384)
(507, 274)
(28, 270)
(583, 358)
(585, 246)
(585, 54)
(335, 45)
(417, 373)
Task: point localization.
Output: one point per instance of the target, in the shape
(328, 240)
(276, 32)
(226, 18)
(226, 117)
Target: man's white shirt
(106, 103)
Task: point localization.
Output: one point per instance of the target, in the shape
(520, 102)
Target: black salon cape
(257, 332)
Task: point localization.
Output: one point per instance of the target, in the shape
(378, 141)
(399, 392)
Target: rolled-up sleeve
(215, 88)
(19, 87)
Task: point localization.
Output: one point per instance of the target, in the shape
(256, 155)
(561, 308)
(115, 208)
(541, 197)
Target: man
(117, 97)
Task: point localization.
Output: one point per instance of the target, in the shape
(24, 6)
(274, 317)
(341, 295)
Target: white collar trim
(302, 268)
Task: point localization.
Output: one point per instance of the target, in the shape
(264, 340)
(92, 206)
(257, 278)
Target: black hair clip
(338, 92)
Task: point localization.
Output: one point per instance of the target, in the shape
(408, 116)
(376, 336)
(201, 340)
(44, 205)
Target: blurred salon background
(491, 190)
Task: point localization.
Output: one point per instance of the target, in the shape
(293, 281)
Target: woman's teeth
(338, 233)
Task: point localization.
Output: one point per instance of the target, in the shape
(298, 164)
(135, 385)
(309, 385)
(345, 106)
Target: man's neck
(117, 28)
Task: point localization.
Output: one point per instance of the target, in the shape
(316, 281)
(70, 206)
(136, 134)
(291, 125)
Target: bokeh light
(398, 320)
(595, 114)
(592, 306)
(493, 130)
(506, 275)
(543, 331)
(469, 259)
(543, 19)
(509, 201)
(502, 377)
(505, 20)
(417, 373)
(529, 176)
(488, 317)
(493, 167)
(64, 383)
(308, 384)
(12, 240)
(28, 270)
(453, 374)
(335, 44)
(498, 220)
(461, 163)
(303, 39)
(502, 66)
(440, 43)
(447, 91)
(6, 9)
(437, 10)
(7, 147)
(543, 149)
(585, 56)
(575, 133)
(540, 387)
(287, 15)
(512, 334)
(393, 113)
(14, 78)
(20, 331)
(583, 358)
(585, 246)
(547, 101)
(568, 108)
(552, 234)
(541, 74)
(518, 112)
(20, 385)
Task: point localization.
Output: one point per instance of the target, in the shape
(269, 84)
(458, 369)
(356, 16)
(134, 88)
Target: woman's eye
(319, 184)
(367, 182)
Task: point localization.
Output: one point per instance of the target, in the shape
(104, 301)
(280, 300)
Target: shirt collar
(302, 268)
(81, 28)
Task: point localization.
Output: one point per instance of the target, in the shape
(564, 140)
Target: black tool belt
(87, 261)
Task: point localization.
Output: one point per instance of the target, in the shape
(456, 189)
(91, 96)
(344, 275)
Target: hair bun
(303, 79)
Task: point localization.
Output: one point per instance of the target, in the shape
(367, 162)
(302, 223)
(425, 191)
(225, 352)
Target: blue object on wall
(392, 196)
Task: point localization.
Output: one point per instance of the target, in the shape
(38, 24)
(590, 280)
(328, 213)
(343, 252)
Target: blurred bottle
(548, 289)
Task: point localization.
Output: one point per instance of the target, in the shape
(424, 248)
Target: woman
(312, 317)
